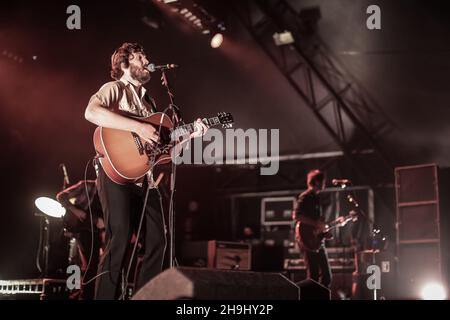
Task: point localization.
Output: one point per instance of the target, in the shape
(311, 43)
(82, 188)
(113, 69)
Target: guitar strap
(138, 99)
(151, 102)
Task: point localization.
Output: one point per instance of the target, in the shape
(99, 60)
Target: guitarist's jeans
(122, 207)
(317, 266)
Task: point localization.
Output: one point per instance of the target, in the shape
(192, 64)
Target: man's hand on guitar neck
(150, 134)
(181, 141)
(201, 129)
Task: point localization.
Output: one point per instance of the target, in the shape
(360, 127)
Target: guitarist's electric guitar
(310, 237)
(126, 158)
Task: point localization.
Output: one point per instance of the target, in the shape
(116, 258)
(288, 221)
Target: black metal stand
(352, 199)
(176, 120)
(43, 251)
(46, 245)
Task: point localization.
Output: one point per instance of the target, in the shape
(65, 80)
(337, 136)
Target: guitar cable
(91, 226)
(138, 234)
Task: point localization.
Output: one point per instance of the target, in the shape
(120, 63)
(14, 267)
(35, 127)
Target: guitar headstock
(225, 119)
(343, 220)
(352, 215)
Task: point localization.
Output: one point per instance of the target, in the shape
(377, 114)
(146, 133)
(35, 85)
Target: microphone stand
(176, 120)
(351, 198)
(44, 239)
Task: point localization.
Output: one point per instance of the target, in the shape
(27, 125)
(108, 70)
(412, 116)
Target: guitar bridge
(138, 143)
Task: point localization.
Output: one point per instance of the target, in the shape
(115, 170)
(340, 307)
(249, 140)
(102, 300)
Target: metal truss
(342, 107)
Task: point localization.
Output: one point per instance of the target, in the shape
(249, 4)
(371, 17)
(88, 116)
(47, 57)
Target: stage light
(151, 22)
(50, 207)
(217, 40)
(433, 291)
(201, 19)
(283, 38)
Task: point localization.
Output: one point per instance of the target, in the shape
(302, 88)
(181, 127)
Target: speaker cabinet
(312, 290)
(419, 234)
(208, 284)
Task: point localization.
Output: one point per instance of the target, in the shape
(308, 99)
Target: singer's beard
(140, 74)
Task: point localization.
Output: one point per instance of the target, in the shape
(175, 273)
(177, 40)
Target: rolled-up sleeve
(108, 95)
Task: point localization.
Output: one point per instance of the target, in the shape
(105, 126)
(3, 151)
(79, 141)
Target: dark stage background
(404, 67)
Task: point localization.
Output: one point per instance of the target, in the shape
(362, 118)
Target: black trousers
(122, 207)
(317, 266)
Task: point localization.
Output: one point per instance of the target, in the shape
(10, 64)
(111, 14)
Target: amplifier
(332, 251)
(229, 255)
(34, 289)
(217, 255)
(277, 211)
(278, 235)
(336, 265)
(341, 259)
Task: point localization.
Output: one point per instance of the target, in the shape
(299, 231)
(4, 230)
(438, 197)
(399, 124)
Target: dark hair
(121, 55)
(315, 176)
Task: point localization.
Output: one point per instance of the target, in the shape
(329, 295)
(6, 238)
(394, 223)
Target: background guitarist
(307, 210)
(111, 107)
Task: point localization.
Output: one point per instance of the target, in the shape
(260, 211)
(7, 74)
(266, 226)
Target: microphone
(153, 67)
(66, 176)
(335, 182)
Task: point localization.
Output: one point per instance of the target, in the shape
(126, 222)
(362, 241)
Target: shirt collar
(128, 84)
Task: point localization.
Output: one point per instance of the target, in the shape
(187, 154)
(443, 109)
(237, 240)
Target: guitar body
(124, 156)
(309, 237)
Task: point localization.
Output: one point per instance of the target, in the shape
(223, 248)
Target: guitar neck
(190, 127)
(336, 224)
(332, 226)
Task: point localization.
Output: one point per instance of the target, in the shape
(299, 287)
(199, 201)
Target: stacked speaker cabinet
(418, 228)
(276, 220)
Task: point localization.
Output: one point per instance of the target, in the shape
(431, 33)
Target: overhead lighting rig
(202, 20)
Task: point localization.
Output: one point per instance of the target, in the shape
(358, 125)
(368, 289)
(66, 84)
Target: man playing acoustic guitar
(112, 107)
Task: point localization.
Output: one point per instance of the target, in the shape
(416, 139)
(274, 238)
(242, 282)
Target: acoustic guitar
(126, 157)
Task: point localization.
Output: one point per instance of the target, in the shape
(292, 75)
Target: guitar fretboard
(190, 127)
